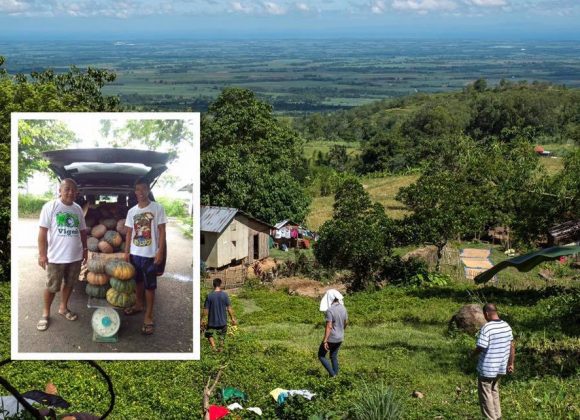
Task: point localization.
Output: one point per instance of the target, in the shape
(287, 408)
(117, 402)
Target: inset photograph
(105, 236)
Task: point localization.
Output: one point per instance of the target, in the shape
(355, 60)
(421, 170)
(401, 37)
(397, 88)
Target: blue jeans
(333, 347)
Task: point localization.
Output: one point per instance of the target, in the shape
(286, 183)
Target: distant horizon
(104, 20)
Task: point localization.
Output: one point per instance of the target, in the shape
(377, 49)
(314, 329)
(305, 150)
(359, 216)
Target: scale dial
(106, 322)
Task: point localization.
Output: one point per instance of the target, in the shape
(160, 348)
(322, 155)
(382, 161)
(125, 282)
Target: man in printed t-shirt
(144, 248)
(496, 350)
(62, 247)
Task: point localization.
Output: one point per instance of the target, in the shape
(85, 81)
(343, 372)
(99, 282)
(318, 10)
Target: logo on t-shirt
(67, 224)
(142, 227)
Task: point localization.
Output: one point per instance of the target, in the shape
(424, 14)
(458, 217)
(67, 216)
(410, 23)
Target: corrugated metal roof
(215, 219)
(280, 224)
(286, 222)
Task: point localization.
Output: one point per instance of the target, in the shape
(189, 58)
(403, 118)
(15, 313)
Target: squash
(99, 231)
(121, 228)
(96, 266)
(113, 238)
(125, 286)
(93, 244)
(121, 248)
(120, 299)
(109, 223)
(97, 279)
(97, 291)
(120, 269)
(105, 247)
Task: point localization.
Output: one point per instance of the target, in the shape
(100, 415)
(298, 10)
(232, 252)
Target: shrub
(301, 264)
(402, 272)
(29, 205)
(173, 207)
(377, 403)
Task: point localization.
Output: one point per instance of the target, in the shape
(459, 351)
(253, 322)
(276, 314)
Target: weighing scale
(105, 323)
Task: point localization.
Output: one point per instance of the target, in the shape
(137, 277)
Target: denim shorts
(145, 271)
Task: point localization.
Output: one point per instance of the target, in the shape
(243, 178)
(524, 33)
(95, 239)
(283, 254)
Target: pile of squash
(112, 279)
(106, 227)
(122, 281)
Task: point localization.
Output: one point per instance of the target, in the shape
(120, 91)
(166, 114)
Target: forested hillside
(399, 134)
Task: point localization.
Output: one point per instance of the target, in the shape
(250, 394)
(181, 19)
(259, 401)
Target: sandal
(70, 315)
(42, 324)
(148, 329)
(132, 311)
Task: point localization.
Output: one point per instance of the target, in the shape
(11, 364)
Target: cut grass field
(396, 336)
(382, 190)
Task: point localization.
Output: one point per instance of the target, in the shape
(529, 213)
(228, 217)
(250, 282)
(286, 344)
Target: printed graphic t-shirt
(64, 224)
(145, 224)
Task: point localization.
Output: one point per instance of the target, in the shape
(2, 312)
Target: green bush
(402, 272)
(29, 205)
(377, 403)
(174, 207)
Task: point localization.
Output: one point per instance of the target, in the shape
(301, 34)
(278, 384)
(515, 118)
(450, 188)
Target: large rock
(469, 318)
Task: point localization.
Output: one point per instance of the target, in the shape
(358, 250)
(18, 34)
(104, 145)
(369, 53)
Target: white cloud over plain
(126, 9)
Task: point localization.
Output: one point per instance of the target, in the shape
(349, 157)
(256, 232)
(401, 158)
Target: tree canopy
(358, 237)
(47, 91)
(251, 161)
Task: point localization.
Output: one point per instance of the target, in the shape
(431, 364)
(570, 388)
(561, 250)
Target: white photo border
(194, 117)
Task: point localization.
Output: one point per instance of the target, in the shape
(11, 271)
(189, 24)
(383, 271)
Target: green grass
(30, 205)
(397, 337)
(382, 190)
(311, 148)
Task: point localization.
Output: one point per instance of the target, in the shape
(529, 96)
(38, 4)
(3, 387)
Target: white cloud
(423, 6)
(303, 7)
(489, 3)
(239, 7)
(13, 6)
(378, 7)
(272, 8)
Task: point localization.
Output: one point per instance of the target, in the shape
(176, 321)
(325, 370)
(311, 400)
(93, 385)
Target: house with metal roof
(229, 237)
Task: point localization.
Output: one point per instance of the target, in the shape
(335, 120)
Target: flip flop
(148, 329)
(69, 315)
(132, 311)
(42, 324)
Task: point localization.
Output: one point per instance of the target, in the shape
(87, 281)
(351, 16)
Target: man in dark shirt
(217, 306)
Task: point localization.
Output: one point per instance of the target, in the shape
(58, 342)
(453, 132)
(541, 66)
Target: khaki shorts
(57, 272)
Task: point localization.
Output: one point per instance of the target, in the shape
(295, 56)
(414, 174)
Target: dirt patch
(306, 287)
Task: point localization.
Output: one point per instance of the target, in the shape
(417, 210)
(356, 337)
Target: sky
(226, 19)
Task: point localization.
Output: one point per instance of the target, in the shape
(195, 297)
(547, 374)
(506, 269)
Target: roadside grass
(397, 336)
(30, 205)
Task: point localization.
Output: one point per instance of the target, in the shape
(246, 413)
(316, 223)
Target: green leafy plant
(377, 403)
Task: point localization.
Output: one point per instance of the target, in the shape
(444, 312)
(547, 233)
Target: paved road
(173, 306)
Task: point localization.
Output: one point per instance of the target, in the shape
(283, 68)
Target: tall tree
(250, 161)
(153, 134)
(45, 91)
(35, 137)
(358, 237)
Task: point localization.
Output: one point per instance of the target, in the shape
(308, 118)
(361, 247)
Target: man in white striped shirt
(495, 346)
